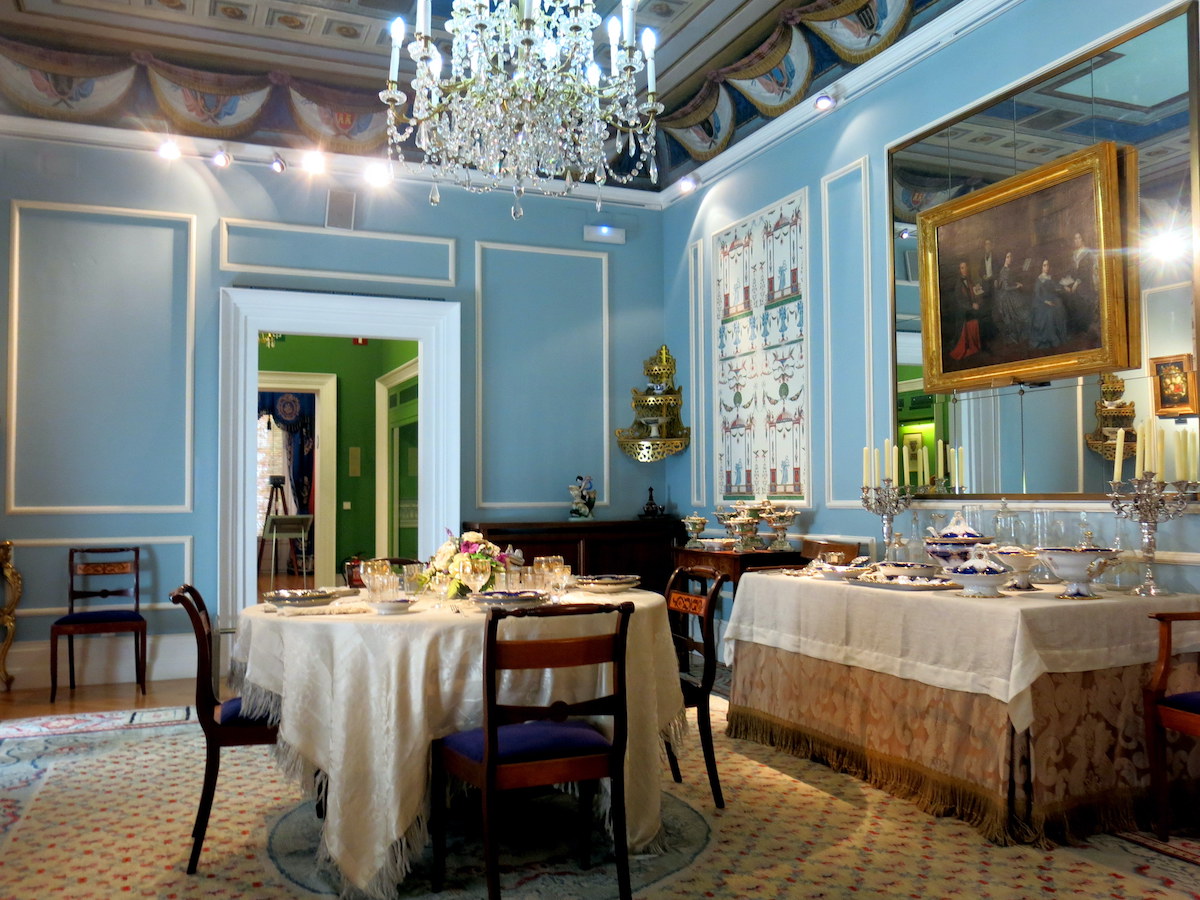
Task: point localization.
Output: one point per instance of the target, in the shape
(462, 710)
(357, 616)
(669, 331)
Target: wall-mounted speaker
(339, 210)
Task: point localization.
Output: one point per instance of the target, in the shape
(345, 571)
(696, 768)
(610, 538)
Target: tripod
(277, 493)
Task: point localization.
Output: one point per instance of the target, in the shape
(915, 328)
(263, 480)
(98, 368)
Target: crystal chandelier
(524, 101)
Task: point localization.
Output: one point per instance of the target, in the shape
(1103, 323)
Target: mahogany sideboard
(595, 547)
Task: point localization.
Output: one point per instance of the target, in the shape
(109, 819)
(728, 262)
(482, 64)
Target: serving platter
(301, 598)
(907, 584)
(834, 573)
(506, 598)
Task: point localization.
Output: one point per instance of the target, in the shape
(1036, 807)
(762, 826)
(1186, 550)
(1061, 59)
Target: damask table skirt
(1078, 769)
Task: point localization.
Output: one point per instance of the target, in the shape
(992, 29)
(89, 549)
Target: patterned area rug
(80, 723)
(105, 813)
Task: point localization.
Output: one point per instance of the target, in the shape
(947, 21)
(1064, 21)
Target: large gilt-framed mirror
(1047, 439)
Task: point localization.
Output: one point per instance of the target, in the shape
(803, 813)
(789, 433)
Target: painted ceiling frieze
(206, 104)
(774, 77)
(55, 84)
(778, 74)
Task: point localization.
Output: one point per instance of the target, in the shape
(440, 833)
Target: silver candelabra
(886, 500)
(1149, 502)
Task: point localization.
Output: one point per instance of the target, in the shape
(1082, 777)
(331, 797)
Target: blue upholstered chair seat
(532, 740)
(1189, 702)
(230, 713)
(100, 615)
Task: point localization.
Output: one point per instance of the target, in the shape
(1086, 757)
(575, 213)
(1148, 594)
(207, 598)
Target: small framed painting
(1174, 386)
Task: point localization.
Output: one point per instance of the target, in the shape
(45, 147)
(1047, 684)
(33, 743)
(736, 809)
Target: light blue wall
(850, 315)
(118, 263)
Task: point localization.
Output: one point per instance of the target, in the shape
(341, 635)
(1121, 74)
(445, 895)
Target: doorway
(397, 442)
(435, 325)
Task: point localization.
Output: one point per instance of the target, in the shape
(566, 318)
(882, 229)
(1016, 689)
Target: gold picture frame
(1026, 280)
(1174, 385)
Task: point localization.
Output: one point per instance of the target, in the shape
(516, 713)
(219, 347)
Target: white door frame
(434, 324)
(383, 469)
(324, 385)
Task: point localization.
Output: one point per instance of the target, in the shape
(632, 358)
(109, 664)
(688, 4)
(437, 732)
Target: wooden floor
(25, 704)
(32, 702)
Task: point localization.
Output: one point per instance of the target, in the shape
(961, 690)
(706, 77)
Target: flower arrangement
(470, 545)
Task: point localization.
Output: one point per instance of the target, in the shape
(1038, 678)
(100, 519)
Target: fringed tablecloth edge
(932, 792)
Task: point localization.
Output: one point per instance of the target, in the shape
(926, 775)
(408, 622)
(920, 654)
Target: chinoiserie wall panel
(273, 248)
(100, 360)
(542, 411)
(854, 387)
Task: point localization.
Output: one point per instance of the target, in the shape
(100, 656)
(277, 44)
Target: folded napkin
(333, 609)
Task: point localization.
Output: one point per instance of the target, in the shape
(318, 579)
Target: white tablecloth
(996, 647)
(361, 697)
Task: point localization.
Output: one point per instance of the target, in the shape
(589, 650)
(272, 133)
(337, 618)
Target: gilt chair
(524, 746)
(223, 723)
(100, 573)
(1179, 712)
(692, 595)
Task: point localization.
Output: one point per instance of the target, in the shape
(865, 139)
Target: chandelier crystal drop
(522, 101)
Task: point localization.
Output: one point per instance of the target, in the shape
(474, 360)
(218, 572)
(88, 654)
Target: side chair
(223, 723)
(523, 746)
(100, 573)
(693, 611)
(1179, 712)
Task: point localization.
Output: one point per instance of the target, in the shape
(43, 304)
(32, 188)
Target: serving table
(360, 697)
(734, 563)
(1020, 714)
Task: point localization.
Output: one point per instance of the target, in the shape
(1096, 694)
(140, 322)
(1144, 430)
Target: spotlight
(278, 166)
(313, 162)
(222, 159)
(824, 102)
(378, 174)
(688, 183)
(904, 234)
(1168, 246)
(168, 149)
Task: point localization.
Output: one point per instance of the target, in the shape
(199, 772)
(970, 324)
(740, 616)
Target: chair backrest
(811, 549)
(206, 699)
(688, 608)
(1162, 666)
(104, 572)
(513, 650)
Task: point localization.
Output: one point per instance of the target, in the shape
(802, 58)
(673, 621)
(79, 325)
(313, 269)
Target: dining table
(1021, 714)
(359, 697)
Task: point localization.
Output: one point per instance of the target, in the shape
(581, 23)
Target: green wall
(356, 367)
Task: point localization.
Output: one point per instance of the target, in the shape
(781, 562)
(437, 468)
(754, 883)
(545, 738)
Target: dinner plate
(607, 584)
(389, 607)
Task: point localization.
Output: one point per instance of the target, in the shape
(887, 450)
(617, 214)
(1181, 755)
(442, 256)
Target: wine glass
(541, 568)
(558, 578)
(475, 573)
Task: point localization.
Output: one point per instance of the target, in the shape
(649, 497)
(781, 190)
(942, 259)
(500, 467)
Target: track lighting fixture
(222, 159)
(824, 102)
(168, 149)
(278, 166)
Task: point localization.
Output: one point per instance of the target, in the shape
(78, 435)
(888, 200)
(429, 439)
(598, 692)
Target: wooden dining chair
(222, 722)
(100, 573)
(533, 745)
(1179, 712)
(692, 595)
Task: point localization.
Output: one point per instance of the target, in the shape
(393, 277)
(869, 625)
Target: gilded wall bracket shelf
(657, 431)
